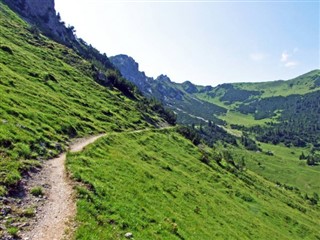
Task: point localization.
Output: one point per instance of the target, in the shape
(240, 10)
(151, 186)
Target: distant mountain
(239, 92)
(176, 96)
(290, 107)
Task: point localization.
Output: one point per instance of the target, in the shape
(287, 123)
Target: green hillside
(281, 164)
(240, 92)
(241, 98)
(143, 176)
(157, 185)
(303, 84)
(47, 96)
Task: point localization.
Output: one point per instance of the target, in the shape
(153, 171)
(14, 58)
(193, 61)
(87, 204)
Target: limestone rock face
(129, 68)
(38, 7)
(43, 14)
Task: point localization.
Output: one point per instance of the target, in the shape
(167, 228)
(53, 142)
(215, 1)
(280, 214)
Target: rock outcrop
(42, 13)
(161, 88)
(129, 68)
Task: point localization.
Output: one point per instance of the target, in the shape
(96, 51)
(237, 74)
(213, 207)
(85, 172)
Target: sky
(205, 42)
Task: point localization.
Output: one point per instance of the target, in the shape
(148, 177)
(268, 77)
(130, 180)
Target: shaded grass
(154, 185)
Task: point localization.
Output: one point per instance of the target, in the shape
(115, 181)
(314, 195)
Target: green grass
(13, 231)
(154, 185)
(284, 166)
(47, 96)
(151, 183)
(301, 85)
(238, 118)
(37, 191)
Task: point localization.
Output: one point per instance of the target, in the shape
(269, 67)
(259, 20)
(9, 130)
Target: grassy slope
(153, 184)
(232, 116)
(47, 95)
(284, 166)
(300, 85)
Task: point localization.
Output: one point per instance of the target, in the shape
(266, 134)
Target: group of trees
(312, 159)
(249, 143)
(212, 133)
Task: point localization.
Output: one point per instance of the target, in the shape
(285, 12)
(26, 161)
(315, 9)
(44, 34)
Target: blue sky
(208, 43)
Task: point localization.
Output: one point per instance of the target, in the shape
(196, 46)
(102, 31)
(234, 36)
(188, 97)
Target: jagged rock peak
(189, 87)
(124, 60)
(163, 78)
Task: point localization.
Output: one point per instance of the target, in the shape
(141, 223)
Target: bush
(37, 191)
(205, 159)
(50, 77)
(29, 212)
(13, 231)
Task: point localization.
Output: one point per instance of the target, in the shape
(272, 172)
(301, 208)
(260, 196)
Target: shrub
(13, 231)
(29, 212)
(37, 191)
(50, 77)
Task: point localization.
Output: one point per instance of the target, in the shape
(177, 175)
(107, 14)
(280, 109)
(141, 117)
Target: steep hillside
(167, 188)
(143, 176)
(48, 95)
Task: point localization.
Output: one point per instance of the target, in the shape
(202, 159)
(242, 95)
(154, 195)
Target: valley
(169, 160)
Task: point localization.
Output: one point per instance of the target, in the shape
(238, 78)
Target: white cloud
(257, 56)
(284, 57)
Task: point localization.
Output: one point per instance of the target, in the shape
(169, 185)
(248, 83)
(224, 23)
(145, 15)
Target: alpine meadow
(92, 148)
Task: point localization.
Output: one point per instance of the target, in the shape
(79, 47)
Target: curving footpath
(55, 216)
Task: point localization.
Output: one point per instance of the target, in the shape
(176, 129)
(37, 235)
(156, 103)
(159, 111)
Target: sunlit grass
(154, 185)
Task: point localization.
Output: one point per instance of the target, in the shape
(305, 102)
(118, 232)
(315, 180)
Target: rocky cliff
(42, 13)
(129, 68)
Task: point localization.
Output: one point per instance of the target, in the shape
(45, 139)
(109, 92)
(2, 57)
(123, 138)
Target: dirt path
(54, 216)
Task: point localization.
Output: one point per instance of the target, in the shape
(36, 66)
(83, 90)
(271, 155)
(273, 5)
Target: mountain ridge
(191, 96)
(51, 93)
